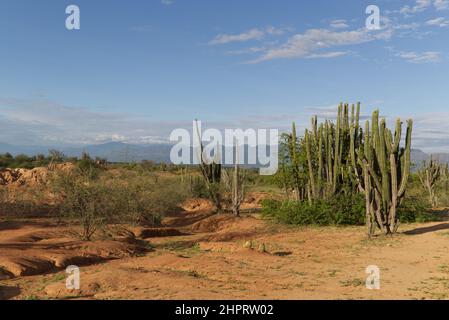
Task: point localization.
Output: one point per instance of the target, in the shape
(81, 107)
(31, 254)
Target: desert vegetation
(337, 182)
(325, 176)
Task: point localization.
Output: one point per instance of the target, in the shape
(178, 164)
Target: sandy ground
(199, 256)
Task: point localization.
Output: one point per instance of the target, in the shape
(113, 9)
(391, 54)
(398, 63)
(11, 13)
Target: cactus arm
(309, 162)
(382, 160)
(337, 150)
(320, 158)
(406, 167)
(394, 191)
(397, 136)
(368, 213)
(375, 129)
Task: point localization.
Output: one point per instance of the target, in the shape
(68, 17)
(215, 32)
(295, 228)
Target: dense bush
(339, 210)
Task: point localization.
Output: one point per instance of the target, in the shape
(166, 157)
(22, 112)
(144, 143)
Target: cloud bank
(41, 122)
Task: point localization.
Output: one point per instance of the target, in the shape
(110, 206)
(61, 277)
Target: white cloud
(440, 22)
(253, 34)
(274, 31)
(332, 54)
(407, 26)
(424, 57)
(313, 41)
(44, 122)
(420, 5)
(247, 50)
(41, 122)
(441, 4)
(339, 24)
(431, 132)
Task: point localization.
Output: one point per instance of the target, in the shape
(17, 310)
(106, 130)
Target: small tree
(82, 200)
(430, 175)
(55, 157)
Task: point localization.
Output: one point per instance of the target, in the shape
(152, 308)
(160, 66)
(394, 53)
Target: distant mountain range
(123, 152)
(418, 156)
(113, 151)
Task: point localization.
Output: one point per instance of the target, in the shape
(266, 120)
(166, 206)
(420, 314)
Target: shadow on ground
(438, 227)
(8, 292)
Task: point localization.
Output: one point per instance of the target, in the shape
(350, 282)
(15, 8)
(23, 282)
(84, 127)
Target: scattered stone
(248, 245)
(262, 248)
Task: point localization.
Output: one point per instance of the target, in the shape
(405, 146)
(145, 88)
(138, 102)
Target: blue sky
(137, 69)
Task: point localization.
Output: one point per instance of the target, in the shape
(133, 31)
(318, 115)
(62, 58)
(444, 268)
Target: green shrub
(339, 210)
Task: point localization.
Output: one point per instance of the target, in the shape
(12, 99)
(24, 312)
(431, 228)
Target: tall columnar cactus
(329, 148)
(211, 173)
(430, 175)
(294, 153)
(386, 169)
(311, 185)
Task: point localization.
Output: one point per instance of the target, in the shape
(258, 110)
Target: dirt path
(300, 263)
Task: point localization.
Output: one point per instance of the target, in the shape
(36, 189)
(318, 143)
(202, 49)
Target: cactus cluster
(341, 156)
(327, 150)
